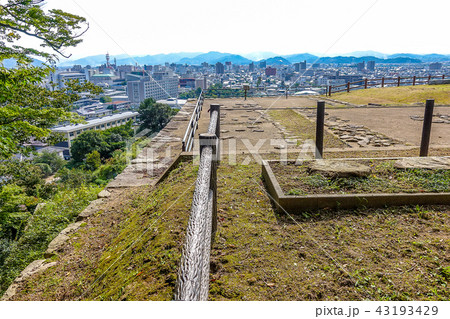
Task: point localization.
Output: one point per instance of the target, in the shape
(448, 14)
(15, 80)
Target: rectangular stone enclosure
(297, 203)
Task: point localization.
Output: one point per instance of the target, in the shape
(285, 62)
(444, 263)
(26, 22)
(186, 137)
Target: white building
(62, 77)
(70, 132)
(160, 86)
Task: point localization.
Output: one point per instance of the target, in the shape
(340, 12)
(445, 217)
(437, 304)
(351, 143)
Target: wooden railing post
(414, 80)
(382, 82)
(429, 78)
(398, 81)
(426, 130)
(329, 90)
(319, 128)
(348, 87)
(365, 83)
(188, 142)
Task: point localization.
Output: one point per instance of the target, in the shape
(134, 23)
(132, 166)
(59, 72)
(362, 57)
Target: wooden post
(398, 81)
(429, 78)
(319, 128)
(382, 82)
(414, 80)
(365, 83)
(443, 76)
(329, 90)
(426, 130)
(348, 87)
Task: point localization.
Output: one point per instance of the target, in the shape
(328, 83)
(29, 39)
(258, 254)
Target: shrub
(41, 229)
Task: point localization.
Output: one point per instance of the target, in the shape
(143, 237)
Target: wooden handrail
(188, 139)
(412, 80)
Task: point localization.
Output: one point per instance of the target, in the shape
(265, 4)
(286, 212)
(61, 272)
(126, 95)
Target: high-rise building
(435, 66)
(62, 77)
(251, 67)
(220, 69)
(303, 65)
(201, 83)
(271, 71)
(361, 66)
(316, 66)
(300, 66)
(371, 65)
(159, 87)
(262, 64)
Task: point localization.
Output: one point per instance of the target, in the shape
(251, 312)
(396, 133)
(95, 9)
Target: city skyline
(320, 27)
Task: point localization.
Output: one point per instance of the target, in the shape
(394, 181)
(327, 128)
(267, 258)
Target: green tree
(27, 107)
(52, 159)
(105, 142)
(93, 160)
(45, 169)
(22, 173)
(86, 143)
(105, 99)
(154, 116)
(258, 83)
(14, 210)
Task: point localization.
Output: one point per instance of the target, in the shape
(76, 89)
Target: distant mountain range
(197, 58)
(11, 63)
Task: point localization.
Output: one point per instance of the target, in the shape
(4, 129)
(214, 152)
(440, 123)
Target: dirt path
(397, 122)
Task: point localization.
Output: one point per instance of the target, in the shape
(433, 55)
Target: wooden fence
(193, 274)
(188, 140)
(382, 82)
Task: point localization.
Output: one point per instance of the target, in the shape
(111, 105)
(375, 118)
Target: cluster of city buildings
(126, 86)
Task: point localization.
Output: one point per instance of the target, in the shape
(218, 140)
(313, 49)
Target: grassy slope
(42, 228)
(398, 253)
(397, 95)
(129, 251)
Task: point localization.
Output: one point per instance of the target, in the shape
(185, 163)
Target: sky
(322, 27)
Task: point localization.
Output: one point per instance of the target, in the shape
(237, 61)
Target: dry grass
(397, 95)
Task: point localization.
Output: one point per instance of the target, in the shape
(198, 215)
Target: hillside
(131, 250)
(129, 246)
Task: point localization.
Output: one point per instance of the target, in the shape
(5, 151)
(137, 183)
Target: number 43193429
(407, 310)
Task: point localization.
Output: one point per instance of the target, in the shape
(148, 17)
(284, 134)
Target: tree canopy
(104, 142)
(154, 116)
(30, 105)
(55, 29)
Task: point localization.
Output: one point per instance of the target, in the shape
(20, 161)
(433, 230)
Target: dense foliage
(33, 206)
(191, 94)
(154, 116)
(214, 91)
(104, 142)
(28, 105)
